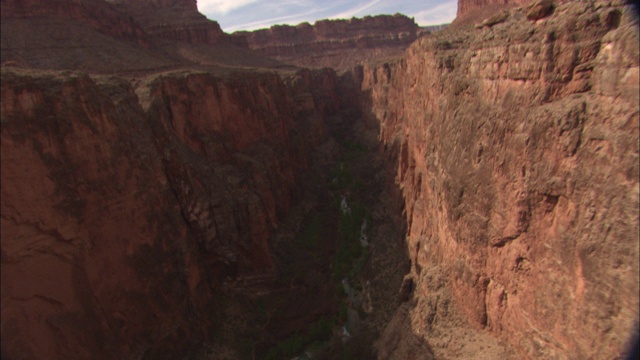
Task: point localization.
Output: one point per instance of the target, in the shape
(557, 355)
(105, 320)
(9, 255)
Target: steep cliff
(465, 7)
(137, 207)
(125, 207)
(340, 44)
(116, 37)
(97, 14)
(173, 20)
(518, 162)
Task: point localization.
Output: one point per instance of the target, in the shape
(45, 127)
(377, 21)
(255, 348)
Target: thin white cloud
(216, 7)
(353, 12)
(264, 23)
(441, 14)
(234, 15)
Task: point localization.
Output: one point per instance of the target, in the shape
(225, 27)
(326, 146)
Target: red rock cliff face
(467, 6)
(177, 20)
(97, 36)
(96, 14)
(125, 207)
(518, 161)
(334, 43)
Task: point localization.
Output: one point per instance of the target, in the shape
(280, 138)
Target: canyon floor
(301, 309)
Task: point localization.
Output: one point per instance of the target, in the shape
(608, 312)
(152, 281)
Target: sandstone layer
(96, 14)
(518, 148)
(465, 7)
(121, 37)
(339, 44)
(173, 19)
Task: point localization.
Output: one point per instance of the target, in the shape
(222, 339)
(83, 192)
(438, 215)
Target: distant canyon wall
(176, 20)
(340, 44)
(518, 161)
(99, 15)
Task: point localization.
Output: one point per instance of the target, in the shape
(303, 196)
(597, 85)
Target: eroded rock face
(339, 44)
(466, 7)
(177, 20)
(518, 151)
(96, 14)
(117, 37)
(125, 207)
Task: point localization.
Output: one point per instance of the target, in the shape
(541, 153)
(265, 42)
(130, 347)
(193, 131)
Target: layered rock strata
(518, 148)
(466, 7)
(97, 36)
(125, 206)
(177, 20)
(340, 44)
(99, 15)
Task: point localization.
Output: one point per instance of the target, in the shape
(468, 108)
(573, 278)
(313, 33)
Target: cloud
(216, 7)
(353, 12)
(233, 15)
(292, 19)
(441, 14)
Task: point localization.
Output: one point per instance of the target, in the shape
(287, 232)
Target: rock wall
(96, 14)
(468, 6)
(339, 44)
(126, 206)
(176, 20)
(518, 161)
(117, 37)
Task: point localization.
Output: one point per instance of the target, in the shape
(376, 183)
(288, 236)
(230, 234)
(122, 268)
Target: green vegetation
(311, 231)
(359, 263)
(287, 348)
(317, 332)
(246, 349)
(354, 150)
(342, 178)
(343, 314)
(261, 307)
(346, 354)
(350, 249)
(348, 260)
(320, 329)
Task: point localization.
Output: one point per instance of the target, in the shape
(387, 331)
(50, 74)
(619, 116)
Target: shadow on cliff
(387, 332)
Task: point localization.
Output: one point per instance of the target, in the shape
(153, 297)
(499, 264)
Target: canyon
(339, 44)
(172, 191)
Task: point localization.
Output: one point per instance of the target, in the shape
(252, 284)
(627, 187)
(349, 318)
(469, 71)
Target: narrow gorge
(169, 191)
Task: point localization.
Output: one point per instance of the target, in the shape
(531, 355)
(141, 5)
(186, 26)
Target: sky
(234, 15)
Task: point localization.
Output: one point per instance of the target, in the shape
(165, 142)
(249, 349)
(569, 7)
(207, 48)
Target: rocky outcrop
(339, 44)
(99, 15)
(176, 20)
(466, 7)
(474, 12)
(125, 207)
(97, 36)
(518, 161)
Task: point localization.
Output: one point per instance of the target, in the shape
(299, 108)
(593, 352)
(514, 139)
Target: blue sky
(233, 15)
